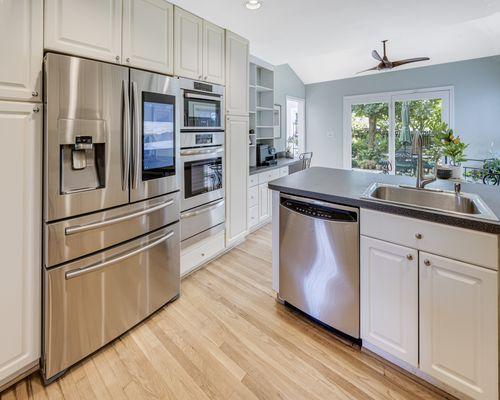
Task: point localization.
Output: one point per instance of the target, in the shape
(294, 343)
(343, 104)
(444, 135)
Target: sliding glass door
(379, 128)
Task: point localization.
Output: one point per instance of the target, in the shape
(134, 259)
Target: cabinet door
(459, 325)
(188, 44)
(148, 35)
(21, 47)
(236, 74)
(264, 202)
(236, 178)
(389, 298)
(20, 236)
(85, 28)
(213, 53)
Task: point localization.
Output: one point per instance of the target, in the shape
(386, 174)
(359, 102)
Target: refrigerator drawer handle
(92, 268)
(71, 230)
(201, 211)
(208, 150)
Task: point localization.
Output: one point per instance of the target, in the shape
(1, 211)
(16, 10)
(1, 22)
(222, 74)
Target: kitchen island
(428, 279)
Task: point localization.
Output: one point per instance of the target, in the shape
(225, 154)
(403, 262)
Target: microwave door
(154, 135)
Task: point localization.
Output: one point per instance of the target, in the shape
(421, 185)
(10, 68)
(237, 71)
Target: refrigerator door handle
(125, 135)
(135, 136)
(92, 268)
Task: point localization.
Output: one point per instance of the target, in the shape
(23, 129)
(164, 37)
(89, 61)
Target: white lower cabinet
(459, 325)
(200, 253)
(389, 298)
(20, 237)
(264, 202)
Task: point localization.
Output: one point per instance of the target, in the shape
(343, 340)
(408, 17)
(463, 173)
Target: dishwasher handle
(319, 209)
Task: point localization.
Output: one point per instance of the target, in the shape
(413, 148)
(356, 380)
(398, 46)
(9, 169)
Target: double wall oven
(202, 160)
(112, 200)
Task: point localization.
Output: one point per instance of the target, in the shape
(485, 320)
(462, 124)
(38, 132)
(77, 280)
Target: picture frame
(277, 121)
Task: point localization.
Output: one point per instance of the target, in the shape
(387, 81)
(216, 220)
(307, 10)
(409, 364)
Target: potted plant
(451, 146)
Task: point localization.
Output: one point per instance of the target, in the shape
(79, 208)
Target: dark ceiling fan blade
(369, 69)
(409, 60)
(376, 56)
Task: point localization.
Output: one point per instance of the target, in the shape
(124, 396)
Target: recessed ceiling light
(253, 4)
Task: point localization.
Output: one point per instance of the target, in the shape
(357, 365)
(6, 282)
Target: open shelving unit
(261, 106)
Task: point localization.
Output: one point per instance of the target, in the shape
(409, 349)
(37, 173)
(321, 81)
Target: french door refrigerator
(111, 204)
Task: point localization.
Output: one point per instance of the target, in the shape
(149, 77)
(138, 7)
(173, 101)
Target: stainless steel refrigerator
(111, 204)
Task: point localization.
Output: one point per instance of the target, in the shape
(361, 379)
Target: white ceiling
(331, 39)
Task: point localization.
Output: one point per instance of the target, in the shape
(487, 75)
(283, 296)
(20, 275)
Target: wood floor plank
(226, 337)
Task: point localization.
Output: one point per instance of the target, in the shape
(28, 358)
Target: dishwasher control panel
(319, 211)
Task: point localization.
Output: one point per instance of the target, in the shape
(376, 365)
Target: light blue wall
(477, 104)
(286, 83)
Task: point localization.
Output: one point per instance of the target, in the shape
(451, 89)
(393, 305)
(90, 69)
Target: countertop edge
(287, 162)
(437, 217)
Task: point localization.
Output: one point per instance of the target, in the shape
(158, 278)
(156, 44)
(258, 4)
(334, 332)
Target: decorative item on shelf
(277, 121)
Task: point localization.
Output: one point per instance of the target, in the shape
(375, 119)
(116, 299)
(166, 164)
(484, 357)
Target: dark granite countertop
(346, 187)
(282, 162)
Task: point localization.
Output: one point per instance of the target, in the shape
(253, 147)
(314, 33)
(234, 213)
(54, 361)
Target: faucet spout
(417, 149)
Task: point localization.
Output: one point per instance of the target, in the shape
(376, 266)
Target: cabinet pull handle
(128, 59)
(409, 257)
(34, 94)
(418, 235)
(117, 58)
(427, 263)
(36, 109)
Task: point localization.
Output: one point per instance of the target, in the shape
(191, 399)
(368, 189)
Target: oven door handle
(211, 207)
(206, 150)
(92, 268)
(195, 96)
(71, 230)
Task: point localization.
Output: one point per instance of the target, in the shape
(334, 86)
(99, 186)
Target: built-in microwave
(202, 106)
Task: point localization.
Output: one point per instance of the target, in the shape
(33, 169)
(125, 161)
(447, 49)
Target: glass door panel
(370, 136)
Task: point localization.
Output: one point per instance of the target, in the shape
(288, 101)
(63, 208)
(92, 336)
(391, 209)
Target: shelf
(265, 138)
(263, 88)
(251, 134)
(264, 127)
(252, 112)
(264, 108)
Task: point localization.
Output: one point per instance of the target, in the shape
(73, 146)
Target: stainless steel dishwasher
(319, 261)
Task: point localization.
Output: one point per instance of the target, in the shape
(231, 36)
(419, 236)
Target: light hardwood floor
(227, 338)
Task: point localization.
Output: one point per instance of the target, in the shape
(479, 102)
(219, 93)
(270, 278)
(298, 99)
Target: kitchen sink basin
(466, 204)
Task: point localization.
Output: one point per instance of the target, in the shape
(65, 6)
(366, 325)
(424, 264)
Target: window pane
(370, 136)
(412, 116)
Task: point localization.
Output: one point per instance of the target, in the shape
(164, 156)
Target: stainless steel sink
(466, 204)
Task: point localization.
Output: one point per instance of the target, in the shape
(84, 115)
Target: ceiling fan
(386, 64)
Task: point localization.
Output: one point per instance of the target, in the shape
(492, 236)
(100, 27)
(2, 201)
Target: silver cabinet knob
(117, 58)
(127, 59)
(34, 93)
(418, 235)
(203, 254)
(427, 263)
(409, 257)
(36, 109)
(206, 77)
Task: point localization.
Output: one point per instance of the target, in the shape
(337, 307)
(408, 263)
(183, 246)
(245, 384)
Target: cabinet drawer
(201, 252)
(457, 243)
(253, 216)
(253, 196)
(267, 176)
(253, 180)
(283, 171)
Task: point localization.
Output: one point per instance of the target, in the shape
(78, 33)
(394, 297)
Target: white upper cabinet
(236, 178)
(148, 35)
(389, 298)
(236, 74)
(459, 325)
(20, 237)
(213, 53)
(21, 47)
(188, 45)
(90, 28)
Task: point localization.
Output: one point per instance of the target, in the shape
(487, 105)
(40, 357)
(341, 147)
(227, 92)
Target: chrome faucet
(417, 148)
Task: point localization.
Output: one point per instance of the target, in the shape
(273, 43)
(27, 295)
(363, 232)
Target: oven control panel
(205, 138)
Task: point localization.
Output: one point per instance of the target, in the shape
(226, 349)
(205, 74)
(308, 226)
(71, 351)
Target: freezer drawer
(93, 300)
(76, 237)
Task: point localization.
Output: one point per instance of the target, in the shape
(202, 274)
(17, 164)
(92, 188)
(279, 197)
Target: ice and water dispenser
(82, 155)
